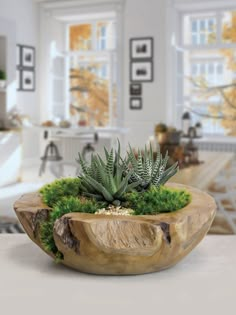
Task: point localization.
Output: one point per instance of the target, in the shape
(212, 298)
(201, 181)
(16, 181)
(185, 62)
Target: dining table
(203, 174)
(204, 283)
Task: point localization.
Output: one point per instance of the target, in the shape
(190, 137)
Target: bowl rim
(200, 201)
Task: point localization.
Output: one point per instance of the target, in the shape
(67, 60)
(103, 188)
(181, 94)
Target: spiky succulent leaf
(123, 186)
(83, 164)
(133, 185)
(170, 172)
(140, 164)
(132, 159)
(98, 187)
(107, 178)
(149, 171)
(106, 153)
(110, 163)
(118, 175)
(157, 163)
(93, 196)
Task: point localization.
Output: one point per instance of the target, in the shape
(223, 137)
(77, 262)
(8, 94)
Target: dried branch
(221, 117)
(219, 89)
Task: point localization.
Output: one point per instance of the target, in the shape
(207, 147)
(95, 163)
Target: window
(92, 60)
(206, 59)
(202, 31)
(81, 37)
(212, 71)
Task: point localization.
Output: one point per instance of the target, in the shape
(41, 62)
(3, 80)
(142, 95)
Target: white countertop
(80, 130)
(204, 283)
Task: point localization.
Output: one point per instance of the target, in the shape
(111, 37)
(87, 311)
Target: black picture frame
(141, 48)
(28, 56)
(28, 80)
(135, 89)
(25, 66)
(141, 71)
(136, 103)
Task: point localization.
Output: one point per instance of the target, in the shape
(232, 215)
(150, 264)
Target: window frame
(180, 46)
(58, 14)
(111, 56)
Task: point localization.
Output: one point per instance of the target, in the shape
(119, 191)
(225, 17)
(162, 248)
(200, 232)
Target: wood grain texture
(120, 245)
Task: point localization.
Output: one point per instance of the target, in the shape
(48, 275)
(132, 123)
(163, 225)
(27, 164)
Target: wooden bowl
(122, 245)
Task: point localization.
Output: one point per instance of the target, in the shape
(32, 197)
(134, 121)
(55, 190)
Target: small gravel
(112, 210)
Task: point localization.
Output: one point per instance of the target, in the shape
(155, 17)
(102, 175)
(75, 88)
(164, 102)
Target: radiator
(223, 144)
(222, 147)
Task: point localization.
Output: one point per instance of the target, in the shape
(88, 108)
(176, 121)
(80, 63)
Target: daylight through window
(206, 57)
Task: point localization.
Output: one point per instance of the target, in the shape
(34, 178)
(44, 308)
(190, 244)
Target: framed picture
(141, 71)
(135, 89)
(25, 70)
(28, 56)
(136, 103)
(27, 80)
(141, 48)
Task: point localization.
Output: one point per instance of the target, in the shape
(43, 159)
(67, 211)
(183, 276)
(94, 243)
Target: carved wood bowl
(122, 245)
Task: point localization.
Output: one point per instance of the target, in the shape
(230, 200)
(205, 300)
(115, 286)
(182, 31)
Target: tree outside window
(92, 72)
(209, 69)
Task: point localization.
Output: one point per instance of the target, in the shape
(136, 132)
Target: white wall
(146, 19)
(25, 15)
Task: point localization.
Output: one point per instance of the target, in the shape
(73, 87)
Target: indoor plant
(2, 79)
(167, 135)
(161, 132)
(174, 135)
(118, 217)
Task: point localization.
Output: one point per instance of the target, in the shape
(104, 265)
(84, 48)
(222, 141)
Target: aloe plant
(106, 179)
(147, 170)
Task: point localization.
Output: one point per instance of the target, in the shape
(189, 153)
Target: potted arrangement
(174, 135)
(120, 216)
(167, 135)
(161, 132)
(2, 79)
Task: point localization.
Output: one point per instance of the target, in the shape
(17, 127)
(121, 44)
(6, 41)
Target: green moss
(157, 200)
(64, 206)
(52, 193)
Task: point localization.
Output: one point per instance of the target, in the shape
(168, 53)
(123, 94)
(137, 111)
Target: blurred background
(76, 75)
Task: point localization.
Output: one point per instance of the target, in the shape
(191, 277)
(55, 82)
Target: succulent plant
(147, 170)
(106, 180)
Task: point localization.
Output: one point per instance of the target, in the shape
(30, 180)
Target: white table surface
(203, 283)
